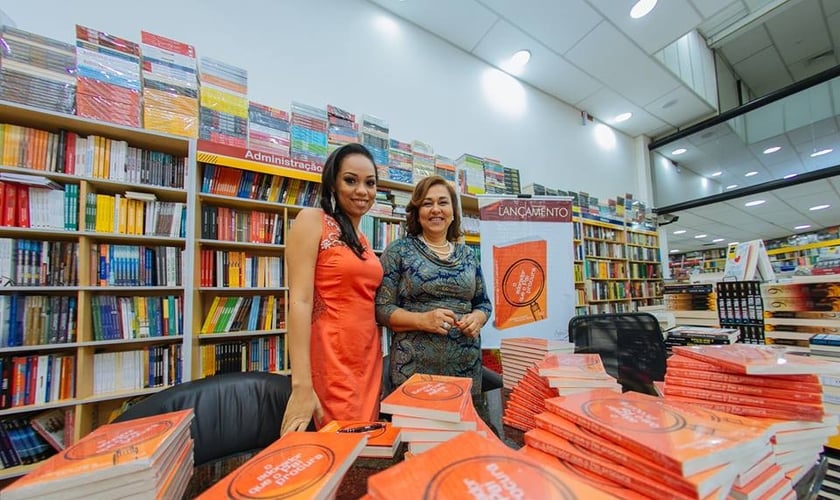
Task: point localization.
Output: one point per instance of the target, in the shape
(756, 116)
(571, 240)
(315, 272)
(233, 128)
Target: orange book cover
(581, 365)
(761, 381)
(600, 482)
(430, 396)
(383, 439)
(111, 450)
(679, 440)
(789, 395)
(298, 465)
(737, 409)
(519, 270)
(700, 484)
(757, 359)
(567, 452)
(470, 466)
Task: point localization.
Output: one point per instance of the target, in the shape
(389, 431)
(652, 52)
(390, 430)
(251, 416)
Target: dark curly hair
(328, 181)
(412, 224)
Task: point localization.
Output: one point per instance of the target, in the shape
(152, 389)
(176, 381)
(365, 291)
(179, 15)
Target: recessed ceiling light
(716, 174)
(790, 176)
(772, 150)
(623, 117)
(801, 227)
(678, 151)
(675, 250)
(679, 231)
(731, 186)
(517, 62)
(751, 173)
(821, 152)
(754, 203)
(699, 236)
(642, 8)
(819, 207)
(717, 240)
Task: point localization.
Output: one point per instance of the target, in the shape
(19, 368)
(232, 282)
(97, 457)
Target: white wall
(337, 52)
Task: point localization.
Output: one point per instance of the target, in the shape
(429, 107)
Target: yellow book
(208, 320)
(123, 216)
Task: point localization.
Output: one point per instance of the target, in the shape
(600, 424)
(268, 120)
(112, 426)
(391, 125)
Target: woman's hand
(302, 405)
(470, 324)
(438, 321)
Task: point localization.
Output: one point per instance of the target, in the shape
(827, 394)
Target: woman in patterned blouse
(433, 295)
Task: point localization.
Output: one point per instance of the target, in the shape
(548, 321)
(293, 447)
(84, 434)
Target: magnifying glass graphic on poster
(520, 291)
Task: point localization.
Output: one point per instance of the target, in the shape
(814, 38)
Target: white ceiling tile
(607, 55)
(743, 46)
(665, 24)
(558, 25)
(830, 7)
(546, 70)
(796, 34)
(707, 8)
(681, 105)
(462, 23)
(766, 69)
(606, 104)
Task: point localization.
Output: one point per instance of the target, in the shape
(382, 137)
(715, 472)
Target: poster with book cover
(526, 245)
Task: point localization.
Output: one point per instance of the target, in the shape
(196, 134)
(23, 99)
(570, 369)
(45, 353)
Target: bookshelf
(92, 291)
(807, 254)
(703, 261)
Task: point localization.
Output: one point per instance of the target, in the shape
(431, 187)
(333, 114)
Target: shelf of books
(700, 261)
(92, 234)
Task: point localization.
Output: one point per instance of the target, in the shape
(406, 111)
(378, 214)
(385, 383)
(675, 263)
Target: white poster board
(527, 261)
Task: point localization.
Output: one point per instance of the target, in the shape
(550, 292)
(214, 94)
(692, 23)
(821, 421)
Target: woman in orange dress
(334, 344)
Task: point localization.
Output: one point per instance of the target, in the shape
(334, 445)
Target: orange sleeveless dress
(345, 347)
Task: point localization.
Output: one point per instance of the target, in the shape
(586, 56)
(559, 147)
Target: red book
(22, 205)
(10, 206)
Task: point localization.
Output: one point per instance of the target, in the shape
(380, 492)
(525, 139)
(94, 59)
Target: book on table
(383, 438)
(299, 465)
(437, 397)
(757, 359)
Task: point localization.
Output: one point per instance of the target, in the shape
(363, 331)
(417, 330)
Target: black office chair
(631, 346)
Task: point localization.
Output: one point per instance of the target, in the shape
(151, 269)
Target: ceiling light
(772, 149)
(821, 152)
(675, 250)
(699, 236)
(678, 151)
(716, 174)
(642, 8)
(819, 207)
(623, 117)
(679, 231)
(731, 186)
(517, 62)
(790, 176)
(754, 203)
(751, 173)
(803, 226)
(717, 240)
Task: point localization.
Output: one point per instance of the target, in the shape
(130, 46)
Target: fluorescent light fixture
(731, 186)
(790, 176)
(700, 236)
(772, 149)
(623, 117)
(642, 8)
(801, 227)
(679, 231)
(678, 151)
(717, 174)
(821, 152)
(819, 207)
(717, 240)
(675, 250)
(751, 173)
(754, 203)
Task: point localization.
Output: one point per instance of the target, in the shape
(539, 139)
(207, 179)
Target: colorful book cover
(383, 438)
(470, 466)
(110, 451)
(299, 465)
(679, 440)
(757, 359)
(430, 396)
(520, 283)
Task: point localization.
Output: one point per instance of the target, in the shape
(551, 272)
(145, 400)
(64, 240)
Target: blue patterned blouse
(417, 280)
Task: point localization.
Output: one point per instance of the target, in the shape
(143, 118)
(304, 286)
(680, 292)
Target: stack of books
(223, 103)
(149, 457)
(700, 335)
(431, 409)
(268, 129)
(445, 167)
(383, 438)
(298, 465)
(649, 445)
(308, 132)
(341, 129)
(375, 134)
(37, 71)
(518, 353)
(830, 487)
(400, 166)
(472, 168)
(423, 160)
(170, 85)
(107, 77)
(798, 310)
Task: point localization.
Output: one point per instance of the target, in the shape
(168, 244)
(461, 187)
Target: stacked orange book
(383, 438)
(518, 353)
